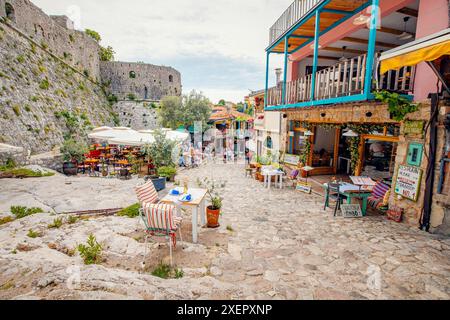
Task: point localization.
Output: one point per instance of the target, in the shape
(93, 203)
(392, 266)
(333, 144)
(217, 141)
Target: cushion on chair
(146, 193)
(161, 217)
(380, 190)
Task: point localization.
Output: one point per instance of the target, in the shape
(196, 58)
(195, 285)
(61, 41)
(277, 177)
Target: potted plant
(73, 153)
(213, 211)
(168, 172)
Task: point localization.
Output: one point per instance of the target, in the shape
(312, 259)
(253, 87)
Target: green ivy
(398, 105)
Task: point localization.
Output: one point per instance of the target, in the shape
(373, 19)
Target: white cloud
(177, 32)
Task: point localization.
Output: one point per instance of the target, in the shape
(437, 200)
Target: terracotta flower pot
(213, 217)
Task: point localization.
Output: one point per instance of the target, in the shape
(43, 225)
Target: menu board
(408, 182)
(291, 159)
(351, 211)
(414, 127)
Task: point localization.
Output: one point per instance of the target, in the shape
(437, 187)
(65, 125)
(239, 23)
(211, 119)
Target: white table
(268, 177)
(196, 205)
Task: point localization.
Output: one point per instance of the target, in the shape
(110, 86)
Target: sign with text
(408, 182)
(304, 187)
(414, 127)
(351, 211)
(291, 159)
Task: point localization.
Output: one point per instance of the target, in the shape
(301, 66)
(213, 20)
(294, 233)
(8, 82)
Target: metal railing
(297, 10)
(343, 79)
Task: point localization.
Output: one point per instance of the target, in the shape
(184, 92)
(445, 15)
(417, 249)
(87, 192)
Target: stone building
(336, 122)
(142, 81)
(50, 72)
(57, 33)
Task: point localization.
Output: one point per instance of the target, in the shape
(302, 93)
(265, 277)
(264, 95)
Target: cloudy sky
(217, 45)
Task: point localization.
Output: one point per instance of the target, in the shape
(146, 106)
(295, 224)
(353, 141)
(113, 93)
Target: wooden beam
(342, 50)
(392, 31)
(409, 12)
(326, 58)
(364, 41)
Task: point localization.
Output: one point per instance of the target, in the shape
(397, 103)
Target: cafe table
(352, 191)
(196, 205)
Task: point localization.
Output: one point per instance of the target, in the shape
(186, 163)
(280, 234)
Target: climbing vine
(398, 105)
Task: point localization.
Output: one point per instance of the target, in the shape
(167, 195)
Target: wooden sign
(408, 182)
(304, 187)
(351, 211)
(291, 159)
(414, 127)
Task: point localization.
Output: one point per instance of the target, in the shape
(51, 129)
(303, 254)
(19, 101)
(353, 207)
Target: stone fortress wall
(56, 33)
(151, 82)
(145, 81)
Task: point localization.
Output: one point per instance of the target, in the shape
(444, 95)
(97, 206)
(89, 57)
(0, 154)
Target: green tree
(107, 54)
(222, 103)
(175, 112)
(196, 107)
(170, 112)
(93, 34)
(240, 107)
(161, 151)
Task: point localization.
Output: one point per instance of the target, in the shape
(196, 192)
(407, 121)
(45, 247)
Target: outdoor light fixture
(405, 35)
(361, 20)
(350, 134)
(343, 58)
(308, 133)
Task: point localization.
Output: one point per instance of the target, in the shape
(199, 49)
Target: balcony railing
(297, 10)
(343, 79)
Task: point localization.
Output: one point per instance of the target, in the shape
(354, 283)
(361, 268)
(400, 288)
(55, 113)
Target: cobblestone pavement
(277, 244)
(284, 245)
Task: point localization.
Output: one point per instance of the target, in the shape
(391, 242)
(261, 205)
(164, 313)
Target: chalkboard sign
(304, 187)
(408, 182)
(291, 159)
(351, 211)
(414, 127)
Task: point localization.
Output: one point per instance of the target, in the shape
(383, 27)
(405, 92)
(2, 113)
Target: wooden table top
(198, 195)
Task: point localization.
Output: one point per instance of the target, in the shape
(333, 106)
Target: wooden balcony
(296, 11)
(343, 79)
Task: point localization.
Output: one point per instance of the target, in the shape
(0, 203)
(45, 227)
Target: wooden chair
(293, 177)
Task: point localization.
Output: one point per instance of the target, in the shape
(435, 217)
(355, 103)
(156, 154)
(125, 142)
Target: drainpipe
(428, 201)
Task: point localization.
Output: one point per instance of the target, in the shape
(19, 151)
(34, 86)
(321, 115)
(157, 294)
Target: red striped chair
(146, 193)
(161, 220)
(377, 199)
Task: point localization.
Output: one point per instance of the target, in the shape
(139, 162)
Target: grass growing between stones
(56, 224)
(21, 212)
(33, 234)
(131, 211)
(165, 271)
(6, 220)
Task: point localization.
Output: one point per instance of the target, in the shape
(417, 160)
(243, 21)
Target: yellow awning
(413, 58)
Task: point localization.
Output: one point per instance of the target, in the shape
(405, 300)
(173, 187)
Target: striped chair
(161, 220)
(378, 197)
(146, 193)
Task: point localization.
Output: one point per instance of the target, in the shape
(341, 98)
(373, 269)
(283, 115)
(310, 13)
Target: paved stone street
(285, 246)
(276, 244)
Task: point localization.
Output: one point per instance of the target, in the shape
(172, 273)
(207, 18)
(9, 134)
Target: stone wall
(137, 115)
(440, 220)
(75, 47)
(144, 81)
(41, 98)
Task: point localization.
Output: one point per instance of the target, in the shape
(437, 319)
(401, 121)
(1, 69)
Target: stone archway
(10, 12)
